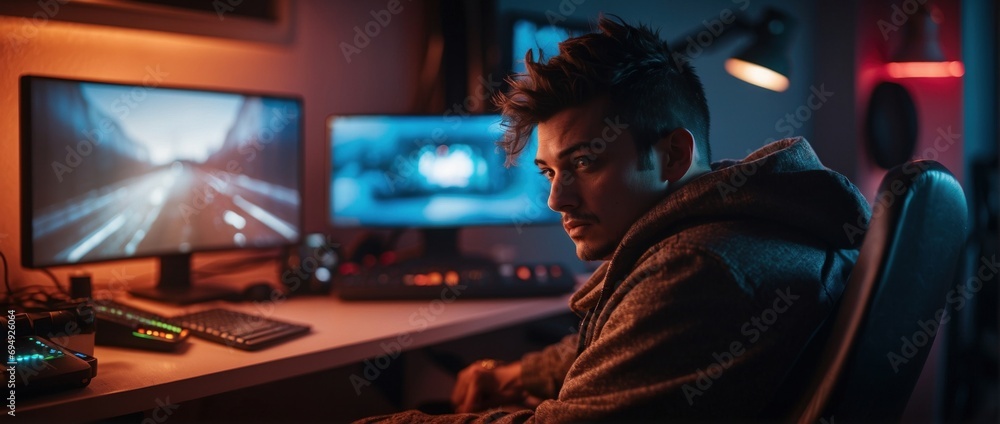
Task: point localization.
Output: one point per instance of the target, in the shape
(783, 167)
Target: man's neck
(693, 173)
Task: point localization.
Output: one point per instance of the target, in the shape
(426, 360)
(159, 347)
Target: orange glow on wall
(925, 69)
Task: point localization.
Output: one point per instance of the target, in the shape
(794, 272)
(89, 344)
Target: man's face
(591, 161)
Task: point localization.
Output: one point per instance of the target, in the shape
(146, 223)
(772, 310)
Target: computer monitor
(436, 173)
(120, 171)
(541, 34)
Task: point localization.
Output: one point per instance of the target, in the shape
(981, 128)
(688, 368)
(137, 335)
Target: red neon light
(925, 69)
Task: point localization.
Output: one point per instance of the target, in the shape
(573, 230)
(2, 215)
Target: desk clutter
(49, 351)
(53, 351)
(128, 326)
(452, 280)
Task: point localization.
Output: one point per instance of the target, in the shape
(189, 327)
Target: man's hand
(484, 385)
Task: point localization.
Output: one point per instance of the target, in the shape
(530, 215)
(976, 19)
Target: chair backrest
(873, 348)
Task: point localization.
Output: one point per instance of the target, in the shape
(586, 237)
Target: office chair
(858, 366)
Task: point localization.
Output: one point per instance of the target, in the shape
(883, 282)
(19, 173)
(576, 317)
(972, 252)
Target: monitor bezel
(25, 173)
(505, 39)
(329, 174)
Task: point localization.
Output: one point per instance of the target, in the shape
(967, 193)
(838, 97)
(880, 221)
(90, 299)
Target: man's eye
(582, 161)
(547, 173)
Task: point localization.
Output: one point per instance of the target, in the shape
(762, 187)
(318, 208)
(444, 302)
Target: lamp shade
(765, 63)
(919, 40)
(918, 54)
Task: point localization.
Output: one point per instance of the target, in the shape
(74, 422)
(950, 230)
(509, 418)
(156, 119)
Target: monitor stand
(175, 285)
(441, 247)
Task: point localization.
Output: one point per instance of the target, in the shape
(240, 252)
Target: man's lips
(574, 227)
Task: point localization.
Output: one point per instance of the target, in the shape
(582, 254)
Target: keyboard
(430, 280)
(125, 325)
(238, 329)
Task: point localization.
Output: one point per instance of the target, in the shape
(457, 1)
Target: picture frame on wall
(267, 21)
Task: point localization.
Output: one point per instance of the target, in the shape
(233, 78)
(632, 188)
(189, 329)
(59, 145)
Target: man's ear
(676, 152)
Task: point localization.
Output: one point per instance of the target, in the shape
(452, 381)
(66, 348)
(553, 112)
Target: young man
(715, 276)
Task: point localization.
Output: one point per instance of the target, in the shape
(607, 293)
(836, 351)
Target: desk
(343, 333)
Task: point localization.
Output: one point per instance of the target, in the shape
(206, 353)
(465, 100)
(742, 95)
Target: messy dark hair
(653, 89)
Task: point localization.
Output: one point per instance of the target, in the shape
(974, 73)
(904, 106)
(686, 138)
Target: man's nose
(563, 195)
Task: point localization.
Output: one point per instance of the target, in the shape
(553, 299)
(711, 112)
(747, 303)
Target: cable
(32, 295)
(36, 297)
(55, 280)
(28, 293)
(6, 276)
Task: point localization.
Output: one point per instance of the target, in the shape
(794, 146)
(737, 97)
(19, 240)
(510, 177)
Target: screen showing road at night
(121, 171)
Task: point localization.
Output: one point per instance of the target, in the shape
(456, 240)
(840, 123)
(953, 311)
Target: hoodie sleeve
(688, 339)
(542, 373)
(651, 351)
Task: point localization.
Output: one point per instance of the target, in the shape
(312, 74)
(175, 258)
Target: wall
(938, 100)
(377, 79)
(383, 77)
(743, 116)
(310, 65)
(939, 114)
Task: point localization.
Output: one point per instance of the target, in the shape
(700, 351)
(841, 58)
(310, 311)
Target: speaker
(891, 125)
(308, 267)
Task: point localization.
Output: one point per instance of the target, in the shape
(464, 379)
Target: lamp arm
(696, 40)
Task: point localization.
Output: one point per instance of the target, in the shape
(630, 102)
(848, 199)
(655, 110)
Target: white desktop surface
(130, 380)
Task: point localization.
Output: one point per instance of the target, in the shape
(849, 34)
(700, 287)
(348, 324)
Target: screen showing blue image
(430, 171)
(543, 40)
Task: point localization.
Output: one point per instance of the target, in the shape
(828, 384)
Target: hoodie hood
(782, 182)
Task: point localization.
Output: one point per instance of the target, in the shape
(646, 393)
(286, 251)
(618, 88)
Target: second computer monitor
(440, 171)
